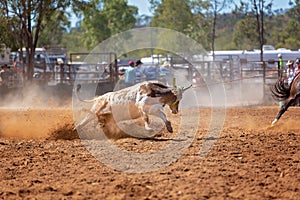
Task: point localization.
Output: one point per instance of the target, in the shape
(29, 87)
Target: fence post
(61, 72)
(264, 80)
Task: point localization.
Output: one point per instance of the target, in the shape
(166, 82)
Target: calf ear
(157, 91)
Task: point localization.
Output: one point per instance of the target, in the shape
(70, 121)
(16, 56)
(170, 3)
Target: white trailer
(270, 56)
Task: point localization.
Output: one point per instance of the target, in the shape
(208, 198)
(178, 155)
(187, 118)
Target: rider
(297, 69)
(290, 71)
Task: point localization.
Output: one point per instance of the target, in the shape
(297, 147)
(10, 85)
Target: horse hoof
(274, 122)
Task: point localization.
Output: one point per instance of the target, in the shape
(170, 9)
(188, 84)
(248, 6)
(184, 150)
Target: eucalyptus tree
(289, 37)
(24, 21)
(53, 28)
(245, 34)
(258, 10)
(200, 27)
(103, 18)
(173, 14)
(216, 7)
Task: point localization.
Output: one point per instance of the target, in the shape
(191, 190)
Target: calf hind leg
(84, 122)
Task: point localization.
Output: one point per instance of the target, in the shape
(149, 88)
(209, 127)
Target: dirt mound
(65, 132)
(122, 129)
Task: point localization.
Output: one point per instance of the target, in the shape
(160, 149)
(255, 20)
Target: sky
(144, 5)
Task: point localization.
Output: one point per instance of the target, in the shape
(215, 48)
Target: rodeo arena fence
(104, 71)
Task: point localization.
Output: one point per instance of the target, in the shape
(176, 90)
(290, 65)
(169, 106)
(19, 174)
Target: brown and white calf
(140, 100)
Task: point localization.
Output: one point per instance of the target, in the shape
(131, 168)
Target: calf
(140, 100)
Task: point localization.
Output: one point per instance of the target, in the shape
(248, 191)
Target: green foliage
(101, 19)
(105, 18)
(173, 14)
(72, 40)
(290, 37)
(245, 35)
(53, 28)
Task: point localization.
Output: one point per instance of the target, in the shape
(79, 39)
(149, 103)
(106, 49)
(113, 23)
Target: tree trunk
(214, 30)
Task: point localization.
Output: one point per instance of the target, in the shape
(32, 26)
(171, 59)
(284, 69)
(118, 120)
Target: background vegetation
(216, 24)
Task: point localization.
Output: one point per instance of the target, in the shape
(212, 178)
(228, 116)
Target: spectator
(5, 75)
(19, 72)
(290, 71)
(151, 73)
(139, 71)
(280, 65)
(130, 74)
(297, 69)
(106, 70)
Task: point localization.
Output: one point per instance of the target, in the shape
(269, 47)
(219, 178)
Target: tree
(289, 35)
(258, 9)
(105, 18)
(199, 28)
(72, 40)
(173, 14)
(217, 6)
(53, 29)
(24, 20)
(245, 34)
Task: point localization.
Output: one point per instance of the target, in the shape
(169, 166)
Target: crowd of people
(290, 71)
(8, 74)
(135, 73)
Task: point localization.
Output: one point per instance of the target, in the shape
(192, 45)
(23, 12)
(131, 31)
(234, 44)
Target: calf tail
(78, 87)
(280, 91)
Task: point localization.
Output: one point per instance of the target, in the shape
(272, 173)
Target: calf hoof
(169, 127)
(147, 128)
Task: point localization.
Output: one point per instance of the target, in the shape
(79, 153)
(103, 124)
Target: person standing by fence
(130, 76)
(290, 73)
(5, 78)
(140, 75)
(18, 68)
(297, 71)
(280, 65)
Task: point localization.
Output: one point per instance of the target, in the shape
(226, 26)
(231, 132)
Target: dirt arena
(42, 158)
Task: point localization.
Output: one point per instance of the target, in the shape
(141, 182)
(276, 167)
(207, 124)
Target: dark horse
(288, 94)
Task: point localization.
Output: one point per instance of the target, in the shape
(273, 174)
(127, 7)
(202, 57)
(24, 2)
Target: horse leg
(284, 108)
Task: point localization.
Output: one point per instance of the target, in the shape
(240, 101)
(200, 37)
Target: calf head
(174, 98)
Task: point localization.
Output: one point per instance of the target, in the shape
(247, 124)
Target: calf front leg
(157, 110)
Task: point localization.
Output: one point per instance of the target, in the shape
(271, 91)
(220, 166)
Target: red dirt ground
(42, 159)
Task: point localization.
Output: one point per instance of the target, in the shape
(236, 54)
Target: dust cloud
(234, 94)
(34, 112)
